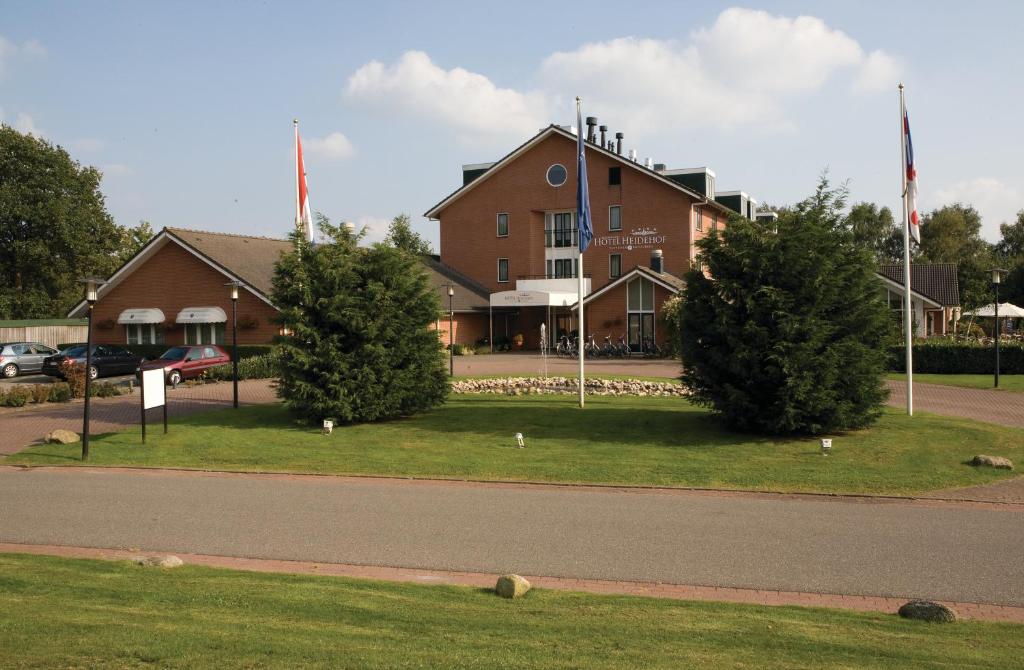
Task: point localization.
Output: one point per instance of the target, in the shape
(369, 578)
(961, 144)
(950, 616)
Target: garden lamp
(92, 286)
(997, 279)
(234, 284)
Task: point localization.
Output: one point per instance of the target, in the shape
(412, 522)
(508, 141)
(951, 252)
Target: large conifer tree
(787, 332)
(359, 347)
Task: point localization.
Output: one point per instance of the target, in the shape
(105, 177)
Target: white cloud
(334, 147)
(9, 51)
(745, 69)
(465, 100)
(996, 201)
(376, 228)
(24, 123)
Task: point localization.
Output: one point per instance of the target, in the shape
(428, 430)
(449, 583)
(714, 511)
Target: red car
(187, 361)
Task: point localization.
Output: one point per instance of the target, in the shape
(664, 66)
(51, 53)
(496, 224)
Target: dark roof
(559, 130)
(933, 280)
(469, 295)
(249, 258)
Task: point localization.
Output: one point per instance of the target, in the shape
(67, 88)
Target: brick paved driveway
(21, 427)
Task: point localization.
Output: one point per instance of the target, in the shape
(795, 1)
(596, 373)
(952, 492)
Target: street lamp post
(91, 296)
(997, 279)
(451, 332)
(234, 338)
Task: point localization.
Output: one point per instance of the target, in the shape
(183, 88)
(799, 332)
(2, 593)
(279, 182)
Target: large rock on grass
(926, 610)
(511, 586)
(159, 561)
(992, 462)
(61, 436)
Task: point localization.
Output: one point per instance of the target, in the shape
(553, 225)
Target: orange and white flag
(303, 215)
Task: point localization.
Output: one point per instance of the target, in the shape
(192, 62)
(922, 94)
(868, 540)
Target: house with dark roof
(511, 227)
(173, 292)
(934, 295)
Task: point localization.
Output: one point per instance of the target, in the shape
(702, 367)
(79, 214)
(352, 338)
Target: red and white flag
(911, 184)
(303, 215)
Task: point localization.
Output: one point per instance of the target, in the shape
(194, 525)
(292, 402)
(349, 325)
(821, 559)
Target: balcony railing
(552, 276)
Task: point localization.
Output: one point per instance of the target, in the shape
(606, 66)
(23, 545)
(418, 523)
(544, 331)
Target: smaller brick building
(173, 292)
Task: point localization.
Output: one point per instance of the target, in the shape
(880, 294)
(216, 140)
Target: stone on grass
(993, 462)
(925, 610)
(61, 436)
(158, 561)
(511, 586)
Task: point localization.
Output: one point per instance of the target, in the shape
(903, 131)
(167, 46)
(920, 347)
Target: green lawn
(88, 614)
(1014, 383)
(616, 440)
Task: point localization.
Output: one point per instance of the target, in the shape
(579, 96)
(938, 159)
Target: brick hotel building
(511, 228)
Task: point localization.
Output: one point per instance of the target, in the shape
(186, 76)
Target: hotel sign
(638, 238)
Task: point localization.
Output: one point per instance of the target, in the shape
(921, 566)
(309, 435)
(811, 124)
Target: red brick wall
(468, 227)
(171, 280)
(468, 328)
(611, 307)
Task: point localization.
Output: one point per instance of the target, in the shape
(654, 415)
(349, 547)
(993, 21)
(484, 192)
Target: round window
(557, 175)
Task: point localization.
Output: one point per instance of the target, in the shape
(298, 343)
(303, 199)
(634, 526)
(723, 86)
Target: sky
(187, 107)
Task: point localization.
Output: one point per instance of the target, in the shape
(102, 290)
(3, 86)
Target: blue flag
(583, 222)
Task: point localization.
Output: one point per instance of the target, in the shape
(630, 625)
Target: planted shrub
(264, 366)
(105, 390)
(60, 392)
(945, 357)
(362, 348)
(74, 375)
(18, 396)
(787, 334)
(40, 393)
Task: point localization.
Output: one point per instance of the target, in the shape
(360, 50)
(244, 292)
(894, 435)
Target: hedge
(958, 358)
(155, 350)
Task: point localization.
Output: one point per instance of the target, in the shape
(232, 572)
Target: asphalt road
(900, 549)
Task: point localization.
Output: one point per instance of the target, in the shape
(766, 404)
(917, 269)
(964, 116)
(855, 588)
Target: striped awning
(201, 315)
(141, 315)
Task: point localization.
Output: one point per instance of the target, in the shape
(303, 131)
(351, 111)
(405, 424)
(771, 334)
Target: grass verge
(1012, 383)
(616, 440)
(57, 612)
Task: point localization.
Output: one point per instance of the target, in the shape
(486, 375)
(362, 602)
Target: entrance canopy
(532, 299)
(202, 315)
(146, 315)
(1006, 309)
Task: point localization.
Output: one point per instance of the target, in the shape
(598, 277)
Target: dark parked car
(19, 358)
(186, 362)
(107, 360)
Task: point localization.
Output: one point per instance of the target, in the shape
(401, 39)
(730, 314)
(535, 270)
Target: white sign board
(153, 389)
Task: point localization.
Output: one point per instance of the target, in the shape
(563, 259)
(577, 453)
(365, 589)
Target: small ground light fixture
(328, 426)
(519, 441)
(826, 446)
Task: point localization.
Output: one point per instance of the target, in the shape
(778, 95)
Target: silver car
(19, 358)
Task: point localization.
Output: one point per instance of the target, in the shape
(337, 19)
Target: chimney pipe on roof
(591, 122)
(632, 155)
(618, 143)
(649, 163)
(657, 263)
(603, 129)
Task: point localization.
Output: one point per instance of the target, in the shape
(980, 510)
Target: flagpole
(908, 312)
(298, 202)
(579, 270)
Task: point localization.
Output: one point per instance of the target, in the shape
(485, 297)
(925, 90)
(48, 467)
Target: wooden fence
(50, 332)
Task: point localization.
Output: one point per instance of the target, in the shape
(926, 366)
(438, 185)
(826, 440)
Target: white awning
(532, 299)
(202, 315)
(143, 315)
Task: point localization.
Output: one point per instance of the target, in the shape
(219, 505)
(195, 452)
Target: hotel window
(503, 225)
(615, 217)
(699, 219)
(714, 220)
(615, 266)
(565, 267)
(614, 176)
(143, 333)
(204, 333)
(503, 269)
